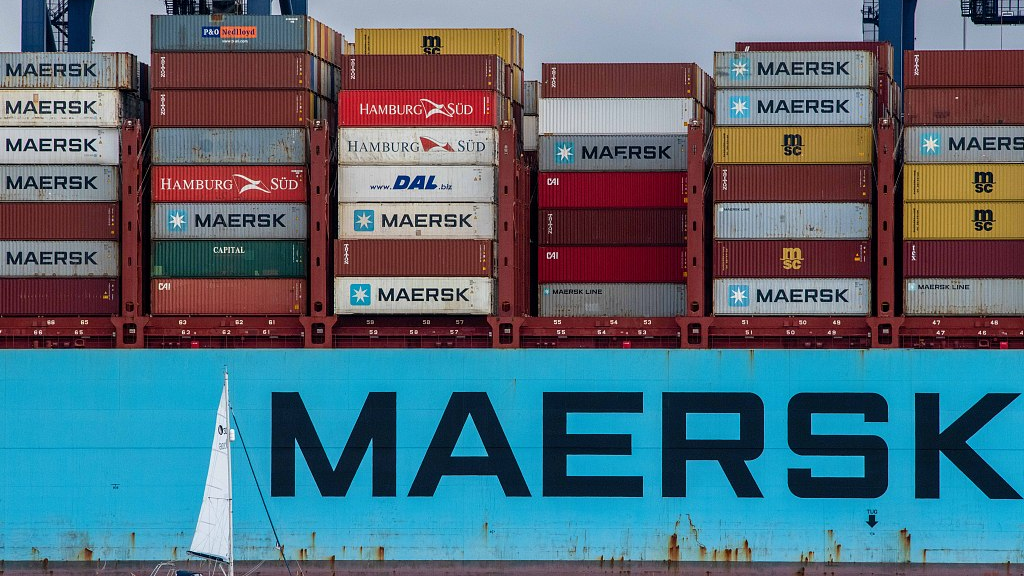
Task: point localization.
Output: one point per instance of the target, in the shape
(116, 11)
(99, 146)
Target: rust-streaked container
(794, 145)
(626, 80)
(59, 221)
(228, 183)
(59, 296)
(237, 70)
(792, 259)
(883, 50)
(800, 183)
(222, 297)
(412, 72)
(611, 189)
(615, 227)
(440, 258)
(234, 108)
(963, 259)
(963, 105)
(987, 68)
(963, 182)
(611, 264)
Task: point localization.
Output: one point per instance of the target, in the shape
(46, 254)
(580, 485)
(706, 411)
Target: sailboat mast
(231, 515)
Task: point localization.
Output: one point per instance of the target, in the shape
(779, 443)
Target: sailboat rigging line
(260, 491)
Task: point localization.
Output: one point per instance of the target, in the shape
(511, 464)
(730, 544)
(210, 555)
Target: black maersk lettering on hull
(240, 221)
(51, 183)
(627, 152)
(799, 295)
(807, 68)
(987, 143)
(377, 425)
(74, 70)
(426, 221)
(422, 295)
(46, 107)
(803, 106)
(52, 145)
(51, 258)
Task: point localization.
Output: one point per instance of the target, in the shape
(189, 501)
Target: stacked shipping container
(611, 187)
(793, 178)
(962, 184)
(229, 186)
(60, 180)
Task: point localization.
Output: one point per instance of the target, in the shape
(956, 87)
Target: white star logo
(738, 296)
(177, 219)
(360, 294)
(739, 107)
(564, 153)
(739, 68)
(930, 144)
(364, 220)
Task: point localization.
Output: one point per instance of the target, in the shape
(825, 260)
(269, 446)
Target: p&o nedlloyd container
(54, 146)
(606, 116)
(229, 183)
(622, 153)
(782, 220)
(806, 69)
(244, 33)
(413, 295)
(418, 146)
(59, 258)
(232, 220)
(795, 107)
(177, 146)
(611, 299)
(417, 184)
(69, 71)
(86, 108)
(48, 183)
(416, 220)
(964, 144)
(964, 296)
(963, 182)
(792, 296)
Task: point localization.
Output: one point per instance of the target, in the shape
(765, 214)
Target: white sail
(213, 537)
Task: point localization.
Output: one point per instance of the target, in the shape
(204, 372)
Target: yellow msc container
(504, 42)
(963, 182)
(963, 220)
(794, 145)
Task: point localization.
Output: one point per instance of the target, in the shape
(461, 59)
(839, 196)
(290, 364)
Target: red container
(235, 108)
(228, 183)
(626, 80)
(225, 297)
(793, 183)
(213, 70)
(944, 68)
(59, 297)
(611, 264)
(963, 259)
(883, 50)
(414, 72)
(612, 227)
(59, 221)
(457, 258)
(422, 108)
(963, 106)
(792, 259)
(611, 189)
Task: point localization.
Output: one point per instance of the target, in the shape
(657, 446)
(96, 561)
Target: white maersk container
(416, 184)
(792, 296)
(30, 259)
(964, 144)
(58, 183)
(418, 146)
(616, 115)
(380, 221)
(91, 108)
(792, 220)
(795, 107)
(964, 296)
(49, 146)
(801, 69)
(413, 295)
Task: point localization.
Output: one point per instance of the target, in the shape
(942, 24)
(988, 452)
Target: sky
(582, 30)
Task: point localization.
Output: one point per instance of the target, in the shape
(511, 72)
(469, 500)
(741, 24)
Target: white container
(418, 146)
(92, 108)
(963, 144)
(964, 296)
(416, 184)
(59, 183)
(801, 69)
(792, 220)
(415, 295)
(100, 146)
(377, 221)
(792, 296)
(82, 70)
(795, 107)
(30, 259)
(616, 115)
(531, 132)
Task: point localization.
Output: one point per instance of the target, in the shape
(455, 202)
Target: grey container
(85, 108)
(55, 145)
(626, 153)
(261, 220)
(792, 296)
(531, 88)
(792, 220)
(795, 107)
(278, 146)
(20, 183)
(963, 144)
(69, 70)
(77, 259)
(963, 296)
(632, 300)
(802, 69)
(232, 33)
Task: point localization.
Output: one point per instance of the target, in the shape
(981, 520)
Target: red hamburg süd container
(414, 72)
(945, 68)
(422, 108)
(227, 297)
(235, 108)
(883, 50)
(611, 189)
(456, 258)
(611, 264)
(59, 296)
(963, 259)
(793, 183)
(228, 183)
(612, 227)
(963, 106)
(626, 80)
(792, 259)
(59, 221)
(233, 70)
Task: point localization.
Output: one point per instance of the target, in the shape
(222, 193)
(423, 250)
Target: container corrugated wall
(573, 264)
(793, 183)
(611, 189)
(795, 107)
(414, 258)
(59, 183)
(963, 220)
(960, 106)
(50, 146)
(962, 68)
(413, 295)
(59, 296)
(784, 297)
(228, 146)
(963, 182)
(408, 220)
(419, 146)
(229, 259)
(782, 220)
(48, 108)
(506, 43)
(963, 144)
(257, 70)
(235, 33)
(229, 108)
(616, 115)
(229, 221)
(60, 221)
(229, 183)
(531, 133)
(441, 72)
(56, 258)
(217, 297)
(818, 69)
(794, 145)
(69, 70)
(417, 184)
(963, 258)
(633, 80)
(627, 153)
(612, 299)
(622, 226)
(414, 108)
(792, 259)
(964, 296)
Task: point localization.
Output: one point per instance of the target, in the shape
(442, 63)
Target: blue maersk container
(175, 146)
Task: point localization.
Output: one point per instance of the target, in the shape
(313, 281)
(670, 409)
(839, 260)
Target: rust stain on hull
(85, 555)
(904, 546)
(673, 548)
(380, 553)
